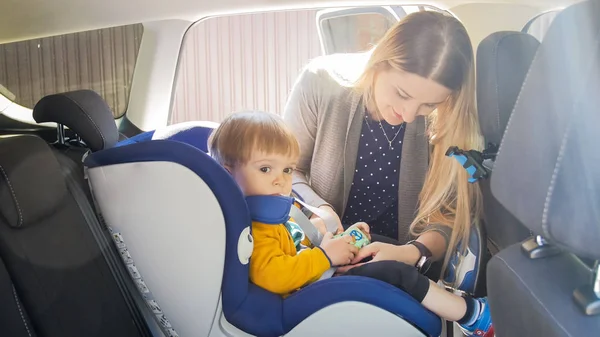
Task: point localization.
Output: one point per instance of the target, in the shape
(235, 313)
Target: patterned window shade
(102, 60)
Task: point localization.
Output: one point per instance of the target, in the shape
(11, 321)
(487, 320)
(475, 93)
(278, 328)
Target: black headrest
(547, 172)
(84, 112)
(503, 59)
(31, 184)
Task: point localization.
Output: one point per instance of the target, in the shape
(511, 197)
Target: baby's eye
(288, 170)
(265, 169)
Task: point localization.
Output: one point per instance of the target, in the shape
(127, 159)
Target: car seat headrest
(547, 172)
(31, 184)
(194, 133)
(503, 59)
(83, 111)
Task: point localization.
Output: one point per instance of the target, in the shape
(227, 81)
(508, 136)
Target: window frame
(526, 29)
(326, 36)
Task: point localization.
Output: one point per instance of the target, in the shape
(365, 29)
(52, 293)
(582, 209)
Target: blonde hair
(436, 46)
(243, 133)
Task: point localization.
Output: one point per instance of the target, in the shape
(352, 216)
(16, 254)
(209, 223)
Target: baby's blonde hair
(242, 133)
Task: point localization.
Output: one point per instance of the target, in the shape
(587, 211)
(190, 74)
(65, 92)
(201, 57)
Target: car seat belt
(141, 317)
(310, 230)
(330, 221)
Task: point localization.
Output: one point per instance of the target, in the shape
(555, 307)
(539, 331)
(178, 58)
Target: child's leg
(398, 274)
(472, 314)
(444, 304)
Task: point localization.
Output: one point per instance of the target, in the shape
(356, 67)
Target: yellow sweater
(275, 264)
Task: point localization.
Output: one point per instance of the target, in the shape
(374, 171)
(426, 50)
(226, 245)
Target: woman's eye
(265, 169)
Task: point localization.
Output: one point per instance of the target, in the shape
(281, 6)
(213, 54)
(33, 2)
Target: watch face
(426, 265)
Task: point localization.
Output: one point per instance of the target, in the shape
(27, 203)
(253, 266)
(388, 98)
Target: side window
(354, 29)
(540, 24)
(242, 62)
(358, 29)
(251, 61)
(101, 60)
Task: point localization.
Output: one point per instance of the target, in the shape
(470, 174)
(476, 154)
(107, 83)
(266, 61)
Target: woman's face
(402, 96)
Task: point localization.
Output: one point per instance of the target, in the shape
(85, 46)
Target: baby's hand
(340, 250)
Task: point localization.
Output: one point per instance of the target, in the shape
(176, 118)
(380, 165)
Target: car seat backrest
(503, 59)
(548, 168)
(194, 133)
(170, 212)
(14, 320)
(55, 264)
(547, 174)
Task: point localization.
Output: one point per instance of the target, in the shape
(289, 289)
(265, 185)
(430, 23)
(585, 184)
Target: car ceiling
(26, 19)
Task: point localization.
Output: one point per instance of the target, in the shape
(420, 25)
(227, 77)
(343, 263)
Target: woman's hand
(380, 251)
(334, 216)
(319, 225)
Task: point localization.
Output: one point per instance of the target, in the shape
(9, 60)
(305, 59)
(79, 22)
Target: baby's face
(266, 174)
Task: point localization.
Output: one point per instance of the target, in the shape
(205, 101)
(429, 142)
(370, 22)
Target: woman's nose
(409, 112)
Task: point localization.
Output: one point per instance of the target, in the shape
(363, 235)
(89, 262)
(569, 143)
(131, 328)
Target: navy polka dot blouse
(373, 196)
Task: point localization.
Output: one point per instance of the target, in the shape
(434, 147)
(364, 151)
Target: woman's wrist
(411, 254)
(327, 207)
(408, 254)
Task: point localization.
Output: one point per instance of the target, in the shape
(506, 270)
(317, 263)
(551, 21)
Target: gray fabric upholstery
(503, 59)
(547, 172)
(534, 297)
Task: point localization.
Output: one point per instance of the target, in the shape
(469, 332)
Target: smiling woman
(365, 143)
(396, 105)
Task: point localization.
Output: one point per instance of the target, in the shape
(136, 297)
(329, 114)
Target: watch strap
(424, 251)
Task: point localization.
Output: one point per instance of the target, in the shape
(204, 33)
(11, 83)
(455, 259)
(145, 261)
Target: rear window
(102, 60)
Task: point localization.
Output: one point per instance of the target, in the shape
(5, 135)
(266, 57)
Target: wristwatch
(424, 261)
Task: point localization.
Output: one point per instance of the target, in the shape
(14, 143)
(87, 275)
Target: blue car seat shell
(246, 306)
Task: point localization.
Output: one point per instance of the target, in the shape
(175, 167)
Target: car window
(250, 61)
(102, 60)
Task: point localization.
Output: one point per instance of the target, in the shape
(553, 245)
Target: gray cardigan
(326, 114)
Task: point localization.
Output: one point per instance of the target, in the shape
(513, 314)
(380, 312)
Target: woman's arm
(409, 254)
(301, 114)
(435, 241)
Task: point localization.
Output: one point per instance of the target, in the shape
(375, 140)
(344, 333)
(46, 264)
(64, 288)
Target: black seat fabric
(14, 321)
(54, 262)
(503, 59)
(547, 174)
